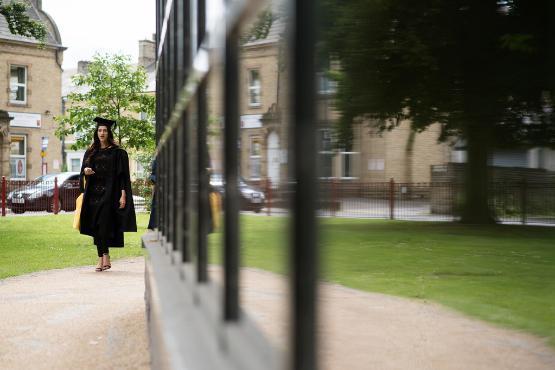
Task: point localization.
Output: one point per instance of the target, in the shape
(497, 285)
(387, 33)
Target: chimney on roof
(147, 52)
(83, 67)
(39, 4)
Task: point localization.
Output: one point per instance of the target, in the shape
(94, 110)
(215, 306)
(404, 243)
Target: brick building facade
(30, 91)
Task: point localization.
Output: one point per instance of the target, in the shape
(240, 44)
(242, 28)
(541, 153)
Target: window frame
(251, 87)
(18, 84)
(342, 156)
(71, 164)
(326, 85)
(322, 151)
(19, 156)
(258, 157)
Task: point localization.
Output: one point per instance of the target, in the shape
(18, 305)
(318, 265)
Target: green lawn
(502, 274)
(37, 243)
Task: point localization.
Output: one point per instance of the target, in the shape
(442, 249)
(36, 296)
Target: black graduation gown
(101, 217)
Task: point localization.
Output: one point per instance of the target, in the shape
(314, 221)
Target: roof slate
(274, 34)
(33, 13)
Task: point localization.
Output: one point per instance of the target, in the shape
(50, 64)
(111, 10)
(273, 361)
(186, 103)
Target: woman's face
(103, 134)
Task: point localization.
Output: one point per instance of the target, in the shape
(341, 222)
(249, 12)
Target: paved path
(75, 319)
(363, 331)
(78, 319)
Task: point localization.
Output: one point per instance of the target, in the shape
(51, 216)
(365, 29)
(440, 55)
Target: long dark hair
(95, 146)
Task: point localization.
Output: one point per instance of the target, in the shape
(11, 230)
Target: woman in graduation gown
(108, 209)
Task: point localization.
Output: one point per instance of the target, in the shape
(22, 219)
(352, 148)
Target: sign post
(44, 145)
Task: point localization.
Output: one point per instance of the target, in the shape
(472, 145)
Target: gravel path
(78, 319)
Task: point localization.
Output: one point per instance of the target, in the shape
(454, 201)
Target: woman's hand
(88, 171)
(122, 200)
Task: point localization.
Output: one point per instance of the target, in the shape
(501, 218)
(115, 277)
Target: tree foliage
(114, 89)
(19, 22)
(482, 69)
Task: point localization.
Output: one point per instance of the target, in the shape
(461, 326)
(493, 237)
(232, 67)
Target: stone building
(374, 157)
(401, 154)
(263, 133)
(30, 91)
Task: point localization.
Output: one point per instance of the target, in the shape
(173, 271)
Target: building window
(75, 165)
(18, 84)
(255, 159)
(325, 153)
(140, 172)
(458, 154)
(254, 88)
(326, 86)
(326, 164)
(18, 157)
(348, 164)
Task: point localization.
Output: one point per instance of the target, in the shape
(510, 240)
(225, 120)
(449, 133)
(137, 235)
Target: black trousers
(102, 249)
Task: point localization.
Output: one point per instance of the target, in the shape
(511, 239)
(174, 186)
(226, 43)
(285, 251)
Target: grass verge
(35, 243)
(499, 273)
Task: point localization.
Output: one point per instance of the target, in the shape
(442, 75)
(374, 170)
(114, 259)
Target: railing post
(56, 197)
(268, 197)
(304, 247)
(231, 199)
(3, 196)
(333, 196)
(523, 202)
(391, 199)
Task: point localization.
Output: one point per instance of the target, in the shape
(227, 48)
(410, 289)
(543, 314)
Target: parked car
(38, 195)
(251, 198)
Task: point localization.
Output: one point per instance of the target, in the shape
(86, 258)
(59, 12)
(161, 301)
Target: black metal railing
(55, 195)
(519, 202)
(184, 55)
(522, 202)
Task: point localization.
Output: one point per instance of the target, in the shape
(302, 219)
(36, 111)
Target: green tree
(482, 69)
(114, 89)
(19, 22)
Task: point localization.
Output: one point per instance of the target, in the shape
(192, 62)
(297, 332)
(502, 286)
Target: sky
(105, 26)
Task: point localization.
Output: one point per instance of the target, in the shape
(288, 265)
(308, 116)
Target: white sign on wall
(376, 165)
(18, 168)
(25, 119)
(251, 121)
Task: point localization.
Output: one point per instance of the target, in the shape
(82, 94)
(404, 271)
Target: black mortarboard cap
(104, 122)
